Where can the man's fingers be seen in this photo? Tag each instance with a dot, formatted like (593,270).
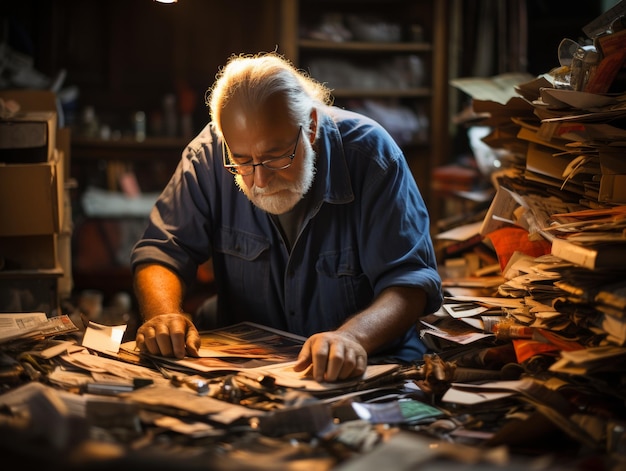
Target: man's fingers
(192,343)
(321,349)
(333,357)
(348,365)
(304,357)
(177,340)
(151,345)
(361,365)
(334,362)
(163,340)
(140,341)
(168,335)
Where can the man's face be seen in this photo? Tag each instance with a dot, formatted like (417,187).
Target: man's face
(255,136)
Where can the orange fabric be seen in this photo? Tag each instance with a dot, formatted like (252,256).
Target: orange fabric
(527,348)
(205,272)
(509,240)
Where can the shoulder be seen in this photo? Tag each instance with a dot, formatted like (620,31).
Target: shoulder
(202,144)
(362,137)
(348,121)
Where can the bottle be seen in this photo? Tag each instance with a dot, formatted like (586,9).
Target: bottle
(590,65)
(584,63)
(170,116)
(140,126)
(509,330)
(89,125)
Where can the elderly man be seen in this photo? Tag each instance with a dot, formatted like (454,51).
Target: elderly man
(312,220)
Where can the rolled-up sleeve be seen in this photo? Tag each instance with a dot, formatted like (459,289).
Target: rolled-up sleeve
(176,234)
(395,232)
(394,243)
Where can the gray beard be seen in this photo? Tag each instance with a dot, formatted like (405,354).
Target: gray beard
(291,193)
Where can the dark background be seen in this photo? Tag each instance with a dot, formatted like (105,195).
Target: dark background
(125,55)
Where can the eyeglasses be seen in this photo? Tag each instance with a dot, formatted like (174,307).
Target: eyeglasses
(278,163)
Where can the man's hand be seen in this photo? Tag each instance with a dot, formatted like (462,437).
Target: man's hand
(169,335)
(334,355)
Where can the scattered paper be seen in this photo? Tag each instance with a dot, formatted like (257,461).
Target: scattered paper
(103,338)
(33,324)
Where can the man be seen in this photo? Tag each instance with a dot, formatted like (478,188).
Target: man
(312,220)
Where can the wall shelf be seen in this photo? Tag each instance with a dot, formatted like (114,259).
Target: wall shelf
(428,98)
(363,46)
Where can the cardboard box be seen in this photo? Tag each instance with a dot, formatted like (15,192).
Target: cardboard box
(32,292)
(64,144)
(35,207)
(28,137)
(31,99)
(29,253)
(32,197)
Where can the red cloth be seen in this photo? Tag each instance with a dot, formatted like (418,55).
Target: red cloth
(528,348)
(508,240)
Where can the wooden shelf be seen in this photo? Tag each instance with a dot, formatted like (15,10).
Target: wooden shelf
(429,97)
(32,273)
(127,149)
(382,93)
(363,46)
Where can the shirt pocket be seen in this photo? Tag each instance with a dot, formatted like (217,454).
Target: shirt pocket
(246,265)
(343,287)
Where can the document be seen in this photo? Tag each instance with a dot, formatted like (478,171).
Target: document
(14,326)
(469,394)
(258,350)
(589,360)
(103,338)
(500,88)
(459,333)
(568,99)
(284,375)
(594,255)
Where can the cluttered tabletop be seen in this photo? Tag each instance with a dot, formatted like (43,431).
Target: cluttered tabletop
(80,398)
(525,368)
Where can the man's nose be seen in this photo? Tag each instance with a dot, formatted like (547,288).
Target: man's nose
(261,176)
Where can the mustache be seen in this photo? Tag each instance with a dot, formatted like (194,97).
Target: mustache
(257,191)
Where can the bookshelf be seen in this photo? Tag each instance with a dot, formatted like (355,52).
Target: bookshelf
(422,36)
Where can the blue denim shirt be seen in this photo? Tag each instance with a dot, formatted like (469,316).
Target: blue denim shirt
(366,228)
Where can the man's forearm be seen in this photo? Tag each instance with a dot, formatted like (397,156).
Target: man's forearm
(158,291)
(390,315)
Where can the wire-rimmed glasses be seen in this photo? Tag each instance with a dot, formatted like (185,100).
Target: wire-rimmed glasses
(277,163)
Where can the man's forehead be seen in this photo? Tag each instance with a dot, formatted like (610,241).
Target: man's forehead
(241,110)
(266,118)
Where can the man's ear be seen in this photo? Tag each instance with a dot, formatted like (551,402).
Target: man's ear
(313,126)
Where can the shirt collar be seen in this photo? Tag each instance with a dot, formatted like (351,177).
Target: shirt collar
(332,178)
